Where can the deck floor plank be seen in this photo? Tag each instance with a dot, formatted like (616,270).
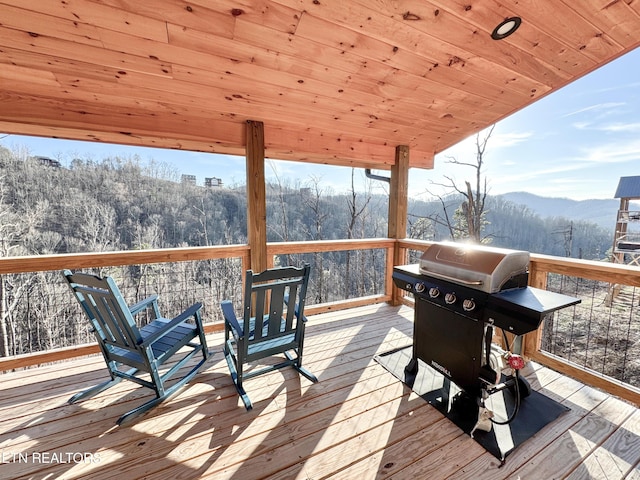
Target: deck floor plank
(570,450)
(357,422)
(338,442)
(616,457)
(580,399)
(634,474)
(390,459)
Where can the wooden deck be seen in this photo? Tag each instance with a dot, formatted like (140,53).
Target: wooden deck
(358,422)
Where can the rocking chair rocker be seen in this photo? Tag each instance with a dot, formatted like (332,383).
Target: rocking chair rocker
(138,350)
(273,323)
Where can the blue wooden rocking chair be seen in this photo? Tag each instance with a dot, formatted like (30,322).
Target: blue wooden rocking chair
(129,350)
(273,323)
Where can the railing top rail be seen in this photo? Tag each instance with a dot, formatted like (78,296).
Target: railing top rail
(416,244)
(590,269)
(315,246)
(38,263)
(543,263)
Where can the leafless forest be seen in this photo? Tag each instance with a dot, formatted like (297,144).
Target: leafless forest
(119,204)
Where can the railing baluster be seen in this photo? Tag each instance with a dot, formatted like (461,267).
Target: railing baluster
(594,276)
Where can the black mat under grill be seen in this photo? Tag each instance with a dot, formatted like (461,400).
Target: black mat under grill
(536,411)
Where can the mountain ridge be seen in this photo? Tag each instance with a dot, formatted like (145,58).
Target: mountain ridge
(603,212)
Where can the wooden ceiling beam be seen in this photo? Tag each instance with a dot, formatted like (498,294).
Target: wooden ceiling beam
(147,112)
(209,135)
(333,82)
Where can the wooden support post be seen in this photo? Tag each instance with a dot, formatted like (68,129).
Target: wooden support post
(398,202)
(256,196)
(533,340)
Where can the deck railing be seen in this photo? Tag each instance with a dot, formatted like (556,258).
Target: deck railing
(597,342)
(185,275)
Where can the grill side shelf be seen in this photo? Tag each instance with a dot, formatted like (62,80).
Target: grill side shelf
(521,310)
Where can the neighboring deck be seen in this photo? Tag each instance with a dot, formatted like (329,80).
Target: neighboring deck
(358,422)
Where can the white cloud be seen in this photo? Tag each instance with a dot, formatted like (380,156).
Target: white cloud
(504,140)
(467,148)
(613,88)
(618,152)
(621,127)
(598,107)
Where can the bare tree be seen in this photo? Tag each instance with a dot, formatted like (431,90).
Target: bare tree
(284,196)
(421,227)
(355,212)
(97,225)
(469,218)
(13,228)
(312,200)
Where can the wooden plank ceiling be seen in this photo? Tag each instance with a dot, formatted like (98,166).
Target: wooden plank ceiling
(334,81)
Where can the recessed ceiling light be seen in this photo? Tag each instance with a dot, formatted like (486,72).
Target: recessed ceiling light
(506,28)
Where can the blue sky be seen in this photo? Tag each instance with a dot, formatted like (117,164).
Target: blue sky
(575,143)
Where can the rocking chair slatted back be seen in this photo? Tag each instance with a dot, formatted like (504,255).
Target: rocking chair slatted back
(273,323)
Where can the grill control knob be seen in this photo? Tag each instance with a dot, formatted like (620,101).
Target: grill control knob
(434,292)
(468,305)
(420,287)
(450,298)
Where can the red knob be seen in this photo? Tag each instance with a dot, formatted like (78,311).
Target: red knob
(515,361)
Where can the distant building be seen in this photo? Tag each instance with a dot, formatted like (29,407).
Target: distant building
(212,182)
(49,162)
(188,179)
(626,241)
(628,187)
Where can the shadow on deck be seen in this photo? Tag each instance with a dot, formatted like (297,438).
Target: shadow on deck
(357,422)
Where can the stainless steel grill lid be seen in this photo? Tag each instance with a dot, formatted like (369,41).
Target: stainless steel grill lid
(478,266)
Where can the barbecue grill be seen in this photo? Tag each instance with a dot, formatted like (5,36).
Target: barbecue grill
(462,292)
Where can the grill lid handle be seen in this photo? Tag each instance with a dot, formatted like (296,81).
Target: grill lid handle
(442,276)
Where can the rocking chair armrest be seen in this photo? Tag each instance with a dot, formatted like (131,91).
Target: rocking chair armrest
(192,311)
(230,317)
(144,304)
